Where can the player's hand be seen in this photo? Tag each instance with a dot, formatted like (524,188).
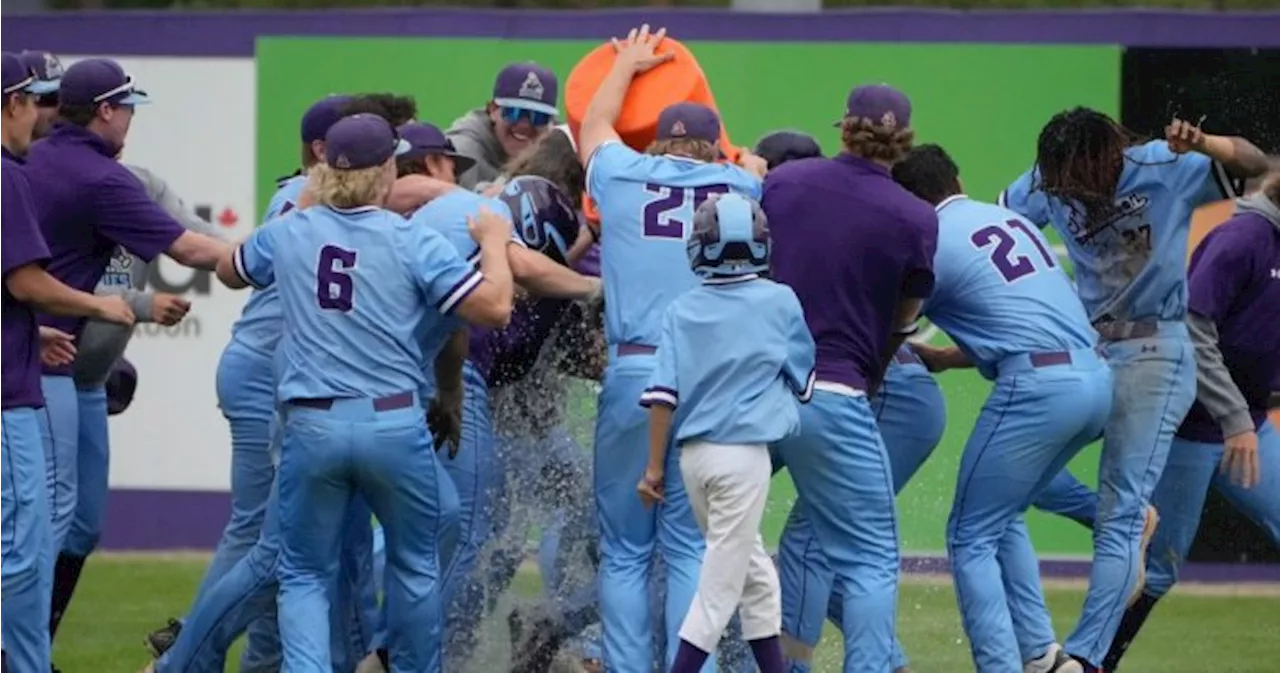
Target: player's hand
(1240,459)
(650,487)
(489,226)
(935,359)
(169,309)
(444,418)
(753,163)
(1184,136)
(637,50)
(57,348)
(113,309)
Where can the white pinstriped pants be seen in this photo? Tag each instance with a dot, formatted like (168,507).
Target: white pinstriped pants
(728,487)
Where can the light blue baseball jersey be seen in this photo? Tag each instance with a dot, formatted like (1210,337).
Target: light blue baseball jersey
(354,286)
(999,289)
(646,204)
(734,356)
(447,215)
(1134,268)
(259,325)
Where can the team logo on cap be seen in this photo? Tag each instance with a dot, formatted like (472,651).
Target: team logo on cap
(889,120)
(52,67)
(532,87)
(342,162)
(678,130)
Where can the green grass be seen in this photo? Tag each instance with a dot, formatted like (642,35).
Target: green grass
(121,598)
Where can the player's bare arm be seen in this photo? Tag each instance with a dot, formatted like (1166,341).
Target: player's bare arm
(1241,158)
(636,54)
(650,486)
(33,285)
(542,276)
(940,359)
(226,271)
(57,348)
(412,191)
(490,304)
(198,251)
(905,318)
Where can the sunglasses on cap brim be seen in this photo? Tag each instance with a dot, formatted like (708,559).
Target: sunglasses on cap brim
(513,115)
(128,92)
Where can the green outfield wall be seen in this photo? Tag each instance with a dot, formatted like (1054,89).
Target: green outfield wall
(984,103)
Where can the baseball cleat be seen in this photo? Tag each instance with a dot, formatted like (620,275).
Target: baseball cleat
(1151,520)
(159,641)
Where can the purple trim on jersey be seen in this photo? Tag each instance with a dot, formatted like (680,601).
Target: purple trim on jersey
(237,265)
(459,293)
(234,33)
(659,395)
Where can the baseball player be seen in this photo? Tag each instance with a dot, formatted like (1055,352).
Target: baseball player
(859,309)
(733,357)
(1226,440)
(520,111)
(646,202)
(47,68)
(246,396)
(991,266)
(1124,210)
(352,376)
(27,527)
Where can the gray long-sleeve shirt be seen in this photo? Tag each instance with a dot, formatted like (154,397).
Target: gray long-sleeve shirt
(101,343)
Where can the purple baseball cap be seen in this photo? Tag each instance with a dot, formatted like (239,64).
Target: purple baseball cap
(527,86)
(689,120)
(322,115)
(426,139)
(361,141)
(20,78)
(45,65)
(880,103)
(99,80)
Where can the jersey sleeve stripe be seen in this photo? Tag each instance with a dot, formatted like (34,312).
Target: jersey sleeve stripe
(459,292)
(659,395)
(237,264)
(1229,186)
(1003,199)
(807,394)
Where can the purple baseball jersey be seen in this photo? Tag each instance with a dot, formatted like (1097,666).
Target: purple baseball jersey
(88,203)
(22,245)
(852,243)
(1234,281)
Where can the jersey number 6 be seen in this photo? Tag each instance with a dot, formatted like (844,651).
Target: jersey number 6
(659,220)
(334,288)
(1011,266)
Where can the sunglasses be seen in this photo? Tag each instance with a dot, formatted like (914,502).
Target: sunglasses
(513,115)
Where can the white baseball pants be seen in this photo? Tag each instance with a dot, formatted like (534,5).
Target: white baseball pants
(728,486)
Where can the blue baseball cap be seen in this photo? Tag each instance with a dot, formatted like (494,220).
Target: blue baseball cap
(46,66)
(321,116)
(361,141)
(19,78)
(427,139)
(99,80)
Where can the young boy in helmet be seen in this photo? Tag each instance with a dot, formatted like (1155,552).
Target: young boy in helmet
(734,356)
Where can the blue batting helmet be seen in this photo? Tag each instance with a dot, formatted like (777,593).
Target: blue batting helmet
(730,237)
(543,216)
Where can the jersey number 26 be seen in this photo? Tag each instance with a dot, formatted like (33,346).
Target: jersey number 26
(1003,236)
(659,213)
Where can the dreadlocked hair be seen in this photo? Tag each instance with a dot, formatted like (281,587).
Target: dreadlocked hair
(700,150)
(552,157)
(863,137)
(1080,154)
(396,109)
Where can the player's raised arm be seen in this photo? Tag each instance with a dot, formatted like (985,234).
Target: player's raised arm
(1241,158)
(490,301)
(251,264)
(543,276)
(636,54)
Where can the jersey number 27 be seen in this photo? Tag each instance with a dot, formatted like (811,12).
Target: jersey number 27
(1004,237)
(659,213)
